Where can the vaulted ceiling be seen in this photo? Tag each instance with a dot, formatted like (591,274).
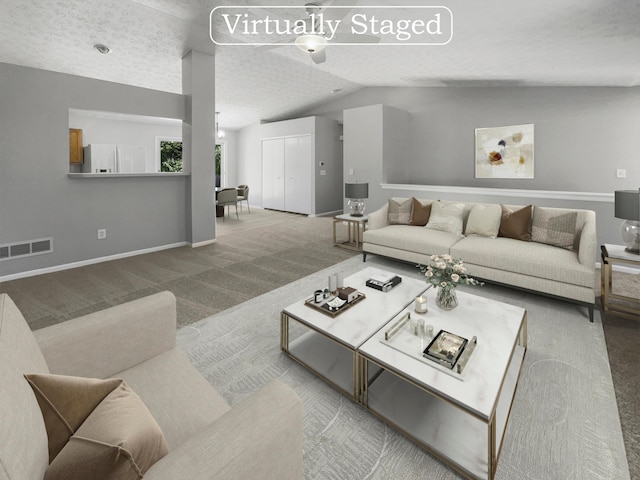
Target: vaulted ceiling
(495,42)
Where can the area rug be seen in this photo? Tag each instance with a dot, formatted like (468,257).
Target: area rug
(564,422)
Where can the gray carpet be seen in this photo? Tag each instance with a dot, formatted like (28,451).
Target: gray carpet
(564,422)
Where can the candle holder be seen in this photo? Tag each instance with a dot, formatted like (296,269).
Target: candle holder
(420,305)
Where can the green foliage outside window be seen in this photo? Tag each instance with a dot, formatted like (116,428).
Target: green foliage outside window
(170,156)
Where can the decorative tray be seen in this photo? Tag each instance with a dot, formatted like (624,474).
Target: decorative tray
(333,306)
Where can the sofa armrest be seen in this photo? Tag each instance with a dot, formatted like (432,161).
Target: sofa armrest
(104,343)
(378,218)
(260,437)
(587,249)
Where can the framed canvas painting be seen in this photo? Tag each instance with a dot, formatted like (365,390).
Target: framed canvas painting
(504,152)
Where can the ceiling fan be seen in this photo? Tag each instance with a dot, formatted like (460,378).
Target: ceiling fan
(314,44)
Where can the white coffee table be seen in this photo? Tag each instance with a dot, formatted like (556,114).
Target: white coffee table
(327,346)
(460,418)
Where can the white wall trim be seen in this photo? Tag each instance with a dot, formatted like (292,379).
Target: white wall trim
(505,192)
(91,261)
(203,243)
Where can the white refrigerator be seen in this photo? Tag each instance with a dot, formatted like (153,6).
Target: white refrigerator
(112,158)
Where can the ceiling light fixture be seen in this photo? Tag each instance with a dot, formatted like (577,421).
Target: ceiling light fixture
(311,43)
(103,49)
(219,133)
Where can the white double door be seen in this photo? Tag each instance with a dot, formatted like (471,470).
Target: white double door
(287,180)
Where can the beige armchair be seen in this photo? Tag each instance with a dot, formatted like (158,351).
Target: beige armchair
(261,436)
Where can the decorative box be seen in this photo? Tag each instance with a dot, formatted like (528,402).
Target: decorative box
(347,293)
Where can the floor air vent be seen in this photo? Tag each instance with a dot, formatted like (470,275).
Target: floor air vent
(24,249)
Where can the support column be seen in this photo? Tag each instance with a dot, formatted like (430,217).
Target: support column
(198,145)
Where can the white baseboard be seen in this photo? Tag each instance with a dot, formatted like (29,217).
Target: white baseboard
(202,244)
(91,261)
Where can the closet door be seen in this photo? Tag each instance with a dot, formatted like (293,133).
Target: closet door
(273,173)
(297,170)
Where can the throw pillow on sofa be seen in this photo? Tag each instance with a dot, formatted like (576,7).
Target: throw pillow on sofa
(484,220)
(554,228)
(516,223)
(118,438)
(399,212)
(419,213)
(446,217)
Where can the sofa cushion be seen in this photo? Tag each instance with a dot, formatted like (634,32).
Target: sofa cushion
(484,219)
(516,224)
(118,439)
(412,239)
(528,258)
(66,402)
(554,227)
(399,212)
(419,213)
(447,217)
(24,453)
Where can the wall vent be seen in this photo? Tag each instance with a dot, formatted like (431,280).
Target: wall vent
(28,248)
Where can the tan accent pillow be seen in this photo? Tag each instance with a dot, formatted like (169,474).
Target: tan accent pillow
(399,212)
(118,440)
(484,220)
(554,228)
(446,217)
(419,213)
(516,223)
(66,402)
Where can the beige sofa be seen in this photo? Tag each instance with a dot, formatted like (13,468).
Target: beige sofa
(538,267)
(260,437)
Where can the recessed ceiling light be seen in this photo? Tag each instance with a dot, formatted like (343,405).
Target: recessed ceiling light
(102,48)
(336,90)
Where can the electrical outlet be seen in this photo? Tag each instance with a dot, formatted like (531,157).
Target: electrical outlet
(351,171)
(621,173)
(102,233)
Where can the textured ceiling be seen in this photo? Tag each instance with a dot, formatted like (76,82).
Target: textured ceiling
(495,42)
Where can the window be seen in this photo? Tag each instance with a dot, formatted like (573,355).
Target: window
(168,154)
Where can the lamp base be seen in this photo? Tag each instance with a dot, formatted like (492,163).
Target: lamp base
(356,207)
(630,235)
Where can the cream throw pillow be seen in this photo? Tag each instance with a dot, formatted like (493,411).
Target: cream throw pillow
(446,217)
(484,220)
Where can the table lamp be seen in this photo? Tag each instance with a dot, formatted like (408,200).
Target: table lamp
(356,193)
(627,207)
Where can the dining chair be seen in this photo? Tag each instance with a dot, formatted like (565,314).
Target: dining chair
(227,197)
(243,195)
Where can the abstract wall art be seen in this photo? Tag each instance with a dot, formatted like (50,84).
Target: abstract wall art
(504,152)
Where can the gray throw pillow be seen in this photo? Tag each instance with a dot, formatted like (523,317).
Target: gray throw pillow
(399,212)
(554,228)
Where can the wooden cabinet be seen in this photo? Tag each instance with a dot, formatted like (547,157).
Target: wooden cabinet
(75,146)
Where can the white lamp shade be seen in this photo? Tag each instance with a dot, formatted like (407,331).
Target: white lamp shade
(311,43)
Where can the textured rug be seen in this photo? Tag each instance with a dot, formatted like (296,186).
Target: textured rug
(564,422)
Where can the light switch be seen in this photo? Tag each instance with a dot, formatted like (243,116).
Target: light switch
(323,172)
(621,173)
(351,171)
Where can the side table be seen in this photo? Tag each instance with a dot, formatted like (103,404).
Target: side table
(612,254)
(355,228)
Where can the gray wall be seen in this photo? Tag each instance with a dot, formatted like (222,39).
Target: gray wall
(582,135)
(37,197)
